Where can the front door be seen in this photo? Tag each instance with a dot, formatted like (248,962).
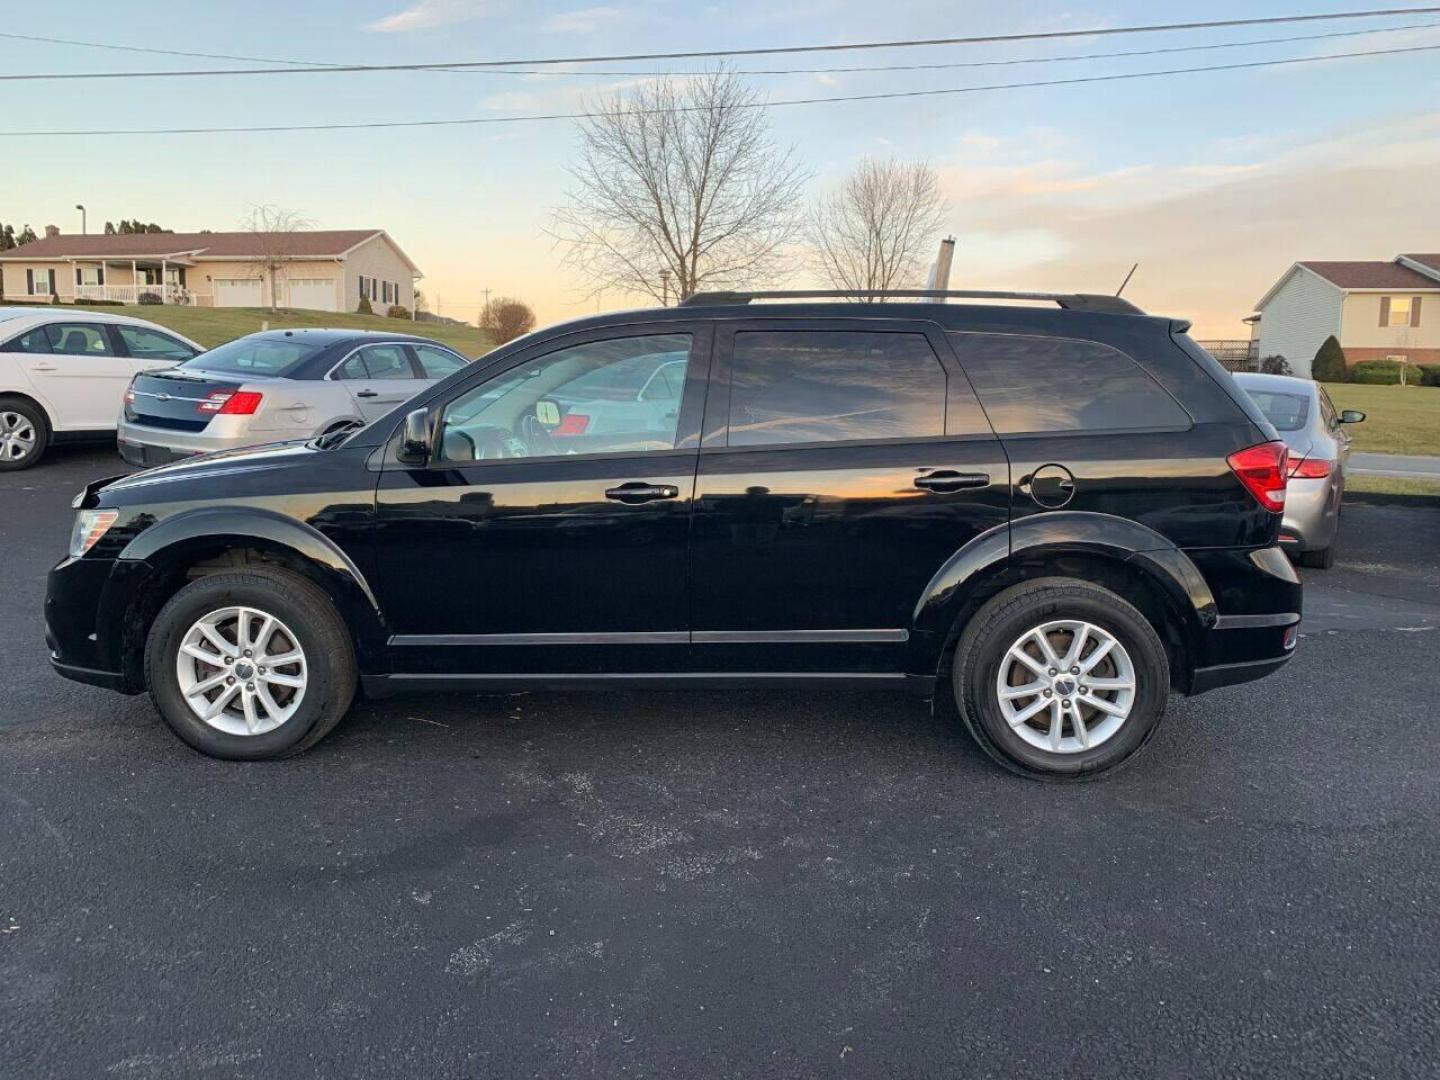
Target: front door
(548,533)
(843,463)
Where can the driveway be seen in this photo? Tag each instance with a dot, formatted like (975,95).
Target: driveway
(741,884)
(1415,466)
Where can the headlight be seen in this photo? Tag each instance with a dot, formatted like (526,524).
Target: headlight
(90,526)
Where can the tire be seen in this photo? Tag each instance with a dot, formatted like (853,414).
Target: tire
(22,422)
(1098,743)
(286,720)
(1319,559)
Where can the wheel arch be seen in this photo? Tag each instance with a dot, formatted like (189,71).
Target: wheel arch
(1122,555)
(30,399)
(165,557)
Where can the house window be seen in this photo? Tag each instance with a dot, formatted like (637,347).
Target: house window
(89,275)
(1399,311)
(41,282)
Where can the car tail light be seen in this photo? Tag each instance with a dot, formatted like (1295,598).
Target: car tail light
(129,395)
(232,403)
(1310,469)
(1262,470)
(572,424)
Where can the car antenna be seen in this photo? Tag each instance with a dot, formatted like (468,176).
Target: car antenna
(1127,279)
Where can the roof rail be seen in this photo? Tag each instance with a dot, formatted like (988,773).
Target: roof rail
(1112,305)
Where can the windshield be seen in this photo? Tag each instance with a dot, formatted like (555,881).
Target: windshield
(254,355)
(1288,412)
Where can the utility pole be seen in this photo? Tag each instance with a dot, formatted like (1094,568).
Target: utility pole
(81,208)
(484,307)
(940,273)
(665,287)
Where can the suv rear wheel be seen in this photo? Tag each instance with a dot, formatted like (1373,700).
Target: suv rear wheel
(251,664)
(1060,679)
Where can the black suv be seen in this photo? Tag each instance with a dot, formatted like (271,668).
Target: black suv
(1058,514)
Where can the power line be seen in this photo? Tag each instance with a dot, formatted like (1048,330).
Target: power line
(479,120)
(1289,39)
(1047,35)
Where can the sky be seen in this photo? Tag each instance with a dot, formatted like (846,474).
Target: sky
(1214,183)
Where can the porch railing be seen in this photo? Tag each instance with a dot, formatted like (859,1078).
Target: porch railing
(130,294)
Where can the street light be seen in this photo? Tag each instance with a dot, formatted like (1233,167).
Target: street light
(81,208)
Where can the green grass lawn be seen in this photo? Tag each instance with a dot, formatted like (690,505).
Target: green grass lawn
(1392,485)
(212,326)
(1398,419)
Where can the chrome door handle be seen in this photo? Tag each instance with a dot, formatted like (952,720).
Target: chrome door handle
(943,480)
(638,491)
(42,367)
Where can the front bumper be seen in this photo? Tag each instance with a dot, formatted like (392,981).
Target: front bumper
(85,623)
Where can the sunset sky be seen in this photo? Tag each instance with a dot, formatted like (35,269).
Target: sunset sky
(1213,182)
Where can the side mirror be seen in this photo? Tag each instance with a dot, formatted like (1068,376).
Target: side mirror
(415,438)
(1351,416)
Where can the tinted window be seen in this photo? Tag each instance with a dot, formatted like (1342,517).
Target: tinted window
(387,362)
(152,345)
(437,362)
(255,355)
(1029,383)
(799,386)
(551,405)
(32,341)
(78,339)
(1288,412)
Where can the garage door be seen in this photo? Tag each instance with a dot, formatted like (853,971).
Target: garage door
(237,292)
(315,294)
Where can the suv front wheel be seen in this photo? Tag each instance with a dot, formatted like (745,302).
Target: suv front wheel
(251,664)
(1060,679)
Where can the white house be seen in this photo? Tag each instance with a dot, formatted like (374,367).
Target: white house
(1376,310)
(323,270)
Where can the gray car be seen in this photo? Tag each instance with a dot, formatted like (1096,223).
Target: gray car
(1314,430)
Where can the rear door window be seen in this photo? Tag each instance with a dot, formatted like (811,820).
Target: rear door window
(437,363)
(808,386)
(387,362)
(78,339)
(1030,383)
(146,344)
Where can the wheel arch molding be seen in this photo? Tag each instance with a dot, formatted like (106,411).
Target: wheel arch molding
(158,560)
(1042,545)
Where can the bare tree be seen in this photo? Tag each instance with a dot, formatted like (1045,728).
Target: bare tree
(274,229)
(877,228)
(680,177)
(505,318)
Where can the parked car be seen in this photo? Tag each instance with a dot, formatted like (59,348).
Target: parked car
(1314,429)
(273,386)
(63,372)
(1052,517)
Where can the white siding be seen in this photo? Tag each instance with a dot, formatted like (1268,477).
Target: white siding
(1299,317)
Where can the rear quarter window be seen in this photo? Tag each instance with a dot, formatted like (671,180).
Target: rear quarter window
(1029,383)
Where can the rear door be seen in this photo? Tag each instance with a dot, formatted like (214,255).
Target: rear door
(379,377)
(76,367)
(843,462)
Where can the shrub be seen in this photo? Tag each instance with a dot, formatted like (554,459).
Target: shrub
(365,308)
(54,298)
(506,318)
(1276,365)
(1376,373)
(86,301)
(1430,374)
(1329,363)
(150,298)
(398,311)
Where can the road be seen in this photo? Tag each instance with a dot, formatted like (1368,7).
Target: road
(1415,466)
(742,884)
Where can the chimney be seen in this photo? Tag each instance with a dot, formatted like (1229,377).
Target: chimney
(51,230)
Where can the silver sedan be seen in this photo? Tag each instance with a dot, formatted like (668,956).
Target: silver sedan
(1314,430)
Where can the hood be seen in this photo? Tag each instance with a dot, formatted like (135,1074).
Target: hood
(148,485)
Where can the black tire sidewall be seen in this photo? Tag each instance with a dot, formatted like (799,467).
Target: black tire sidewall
(37,417)
(325,690)
(975,681)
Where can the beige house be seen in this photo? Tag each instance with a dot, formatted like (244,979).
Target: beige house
(323,270)
(1376,310)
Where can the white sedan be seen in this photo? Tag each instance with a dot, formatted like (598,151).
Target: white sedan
(63,374)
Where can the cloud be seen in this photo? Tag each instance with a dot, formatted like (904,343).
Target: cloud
(583,21)
(1210,237)
(424,14)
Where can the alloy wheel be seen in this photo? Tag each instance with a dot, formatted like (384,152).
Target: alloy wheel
(241,670)
(17,436)
(1066,686)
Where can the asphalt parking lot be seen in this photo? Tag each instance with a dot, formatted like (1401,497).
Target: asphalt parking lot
(776,884)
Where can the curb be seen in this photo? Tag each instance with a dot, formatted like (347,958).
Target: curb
(1376,498)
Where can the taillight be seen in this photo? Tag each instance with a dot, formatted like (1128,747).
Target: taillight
(1310,469)
(129,395)
(1262,470)
(572,424)
(231,403)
